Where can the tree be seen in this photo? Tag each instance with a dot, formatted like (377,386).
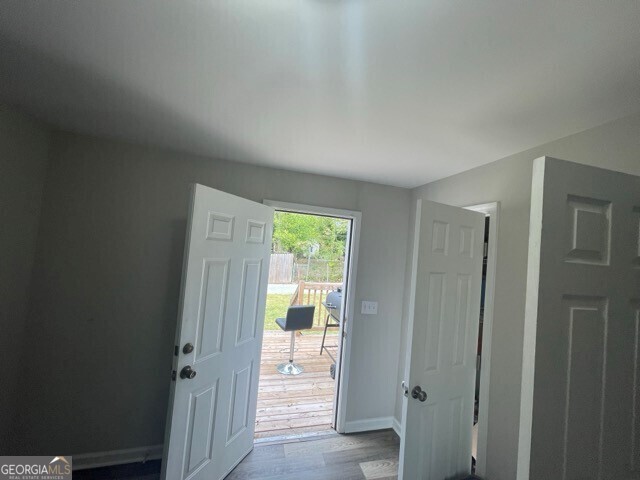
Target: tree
(299,233)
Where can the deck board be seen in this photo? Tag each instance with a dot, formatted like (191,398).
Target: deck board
(292,405)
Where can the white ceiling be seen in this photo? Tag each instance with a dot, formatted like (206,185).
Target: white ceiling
(395,92)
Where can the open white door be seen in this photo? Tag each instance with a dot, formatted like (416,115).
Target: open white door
(437,415)
(581,377)
(210,424)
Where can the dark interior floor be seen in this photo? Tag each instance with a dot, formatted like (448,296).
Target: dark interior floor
(149,470)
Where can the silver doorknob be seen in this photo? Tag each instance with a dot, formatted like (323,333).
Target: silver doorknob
(418,393)
(187,372)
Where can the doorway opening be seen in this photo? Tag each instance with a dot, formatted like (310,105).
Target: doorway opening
(485,328)
(476,410)
(305,316)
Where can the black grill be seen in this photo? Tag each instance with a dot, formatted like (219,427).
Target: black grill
(334,299)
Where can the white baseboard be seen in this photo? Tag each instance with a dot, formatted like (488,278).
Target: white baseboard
(368,424)
(397,427)
(116,457)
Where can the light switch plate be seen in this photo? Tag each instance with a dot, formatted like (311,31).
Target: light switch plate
(369,308)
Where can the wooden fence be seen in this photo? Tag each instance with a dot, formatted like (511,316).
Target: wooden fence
(314,293)
(281,268)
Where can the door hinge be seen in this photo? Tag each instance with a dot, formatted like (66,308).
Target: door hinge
(173,375)
(176,350)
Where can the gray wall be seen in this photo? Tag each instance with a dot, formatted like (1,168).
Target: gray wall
(23,163)
(107,266)
(107,276)
(616,146)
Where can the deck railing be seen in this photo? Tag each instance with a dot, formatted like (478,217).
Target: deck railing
(314,293)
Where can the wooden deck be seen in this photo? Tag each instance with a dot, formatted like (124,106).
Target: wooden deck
(293,405)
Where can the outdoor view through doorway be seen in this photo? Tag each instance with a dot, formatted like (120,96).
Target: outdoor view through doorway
(308,259)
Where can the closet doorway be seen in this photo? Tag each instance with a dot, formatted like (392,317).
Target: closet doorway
(483,364)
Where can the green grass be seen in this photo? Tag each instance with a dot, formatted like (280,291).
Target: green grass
(277,305)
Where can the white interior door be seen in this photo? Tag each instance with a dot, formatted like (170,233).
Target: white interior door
(581,403)
(211,419)
(444,317)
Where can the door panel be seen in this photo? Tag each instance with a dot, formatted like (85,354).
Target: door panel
(586,352)
(239,411)
(211,309)
(584,241)
(211,417)
(202,407)
(250,296)
(445,305)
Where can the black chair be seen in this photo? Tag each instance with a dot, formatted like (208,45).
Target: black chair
(299,317)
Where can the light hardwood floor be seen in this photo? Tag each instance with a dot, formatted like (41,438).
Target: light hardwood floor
(290,406)
(362,456)
(295,404)
(365,456)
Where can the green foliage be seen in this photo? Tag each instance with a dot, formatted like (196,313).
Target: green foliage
(297,233)
(318,270)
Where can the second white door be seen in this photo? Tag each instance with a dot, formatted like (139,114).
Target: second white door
(444,314)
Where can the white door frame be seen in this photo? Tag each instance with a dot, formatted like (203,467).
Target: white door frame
(344,353)
(491,210)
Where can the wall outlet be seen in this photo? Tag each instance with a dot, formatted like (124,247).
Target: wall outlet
(369,308)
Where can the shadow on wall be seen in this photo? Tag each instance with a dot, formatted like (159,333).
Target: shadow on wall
(101,329)
(99,344)
(80,111)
